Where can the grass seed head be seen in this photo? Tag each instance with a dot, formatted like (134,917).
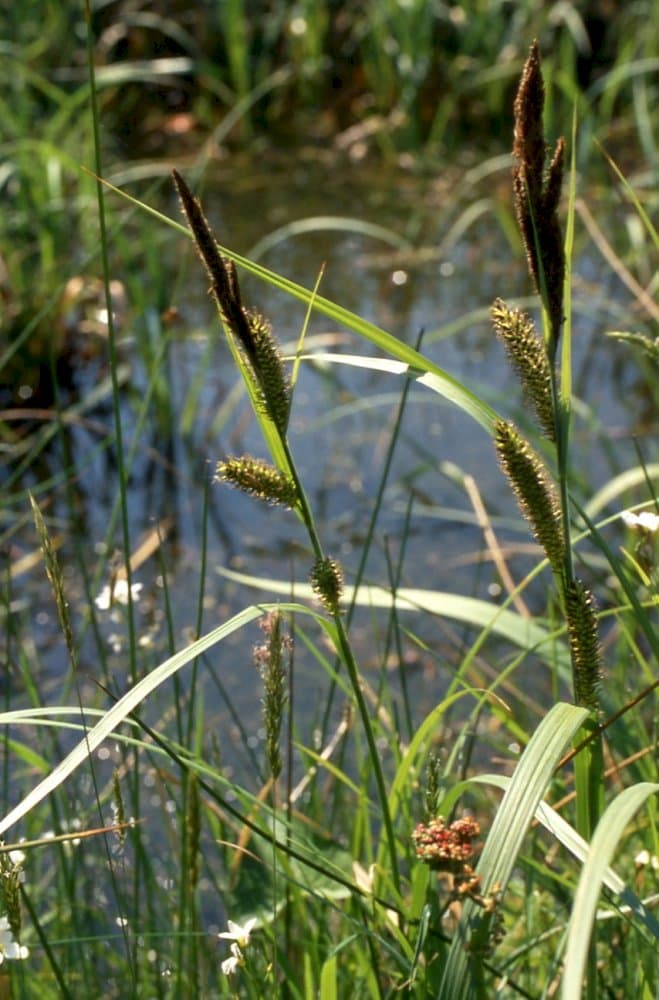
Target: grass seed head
(259,479)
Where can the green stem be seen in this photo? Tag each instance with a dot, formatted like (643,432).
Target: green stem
(353,673)
(562,429)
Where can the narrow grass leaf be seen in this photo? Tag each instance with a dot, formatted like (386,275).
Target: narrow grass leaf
(620,484)
(525,633)
(305,327)
(424,732)
(633,197)
(328,980)
(127,704)
(603,846)
(642,618)
(326,764)
(445,384)
(572,841)
(328,223)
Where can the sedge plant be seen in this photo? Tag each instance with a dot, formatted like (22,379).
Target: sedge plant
(389,905)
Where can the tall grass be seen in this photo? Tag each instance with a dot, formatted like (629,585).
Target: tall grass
(330,852)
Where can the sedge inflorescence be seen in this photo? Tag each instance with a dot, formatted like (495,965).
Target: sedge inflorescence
(446,847)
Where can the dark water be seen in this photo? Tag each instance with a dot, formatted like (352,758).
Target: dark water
(434,277)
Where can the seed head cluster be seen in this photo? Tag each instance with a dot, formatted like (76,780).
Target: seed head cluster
(446,847)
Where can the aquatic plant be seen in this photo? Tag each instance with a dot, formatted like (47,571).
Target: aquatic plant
(338,868)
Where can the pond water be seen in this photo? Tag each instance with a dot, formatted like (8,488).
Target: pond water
(431,274)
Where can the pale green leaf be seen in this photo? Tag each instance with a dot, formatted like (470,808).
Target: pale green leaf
(564,832)
(525,633)
(127,704)
(328,979)
(504,841)
(603,847)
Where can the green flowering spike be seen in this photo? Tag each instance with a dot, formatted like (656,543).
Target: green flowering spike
(119,811)
(532,485)
(433,787)
(11,876)
(587,664)
(259,479)
(527,355)
(56,578)
(272,659)
(273,379)
(537,193)
(327,583)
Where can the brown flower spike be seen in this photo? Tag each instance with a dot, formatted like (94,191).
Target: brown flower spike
(252,333)
(537,193)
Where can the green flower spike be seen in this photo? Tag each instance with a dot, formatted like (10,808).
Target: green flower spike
(581,610)
(273,379)
(527,355)
(327,583)
(259,479)
(273,659)
(534,490)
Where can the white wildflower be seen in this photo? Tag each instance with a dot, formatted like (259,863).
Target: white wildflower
(646,521)
(235,959)
(240,933)
(10,949)
(644,858)
(117,593)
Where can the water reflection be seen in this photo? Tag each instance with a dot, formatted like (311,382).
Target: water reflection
(183,409)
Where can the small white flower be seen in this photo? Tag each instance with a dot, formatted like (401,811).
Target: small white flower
(10,949)
(240,933)
(644,858)
(117,594)
(646,521)
(235,959)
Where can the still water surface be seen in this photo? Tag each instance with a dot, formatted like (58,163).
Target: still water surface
(441,257)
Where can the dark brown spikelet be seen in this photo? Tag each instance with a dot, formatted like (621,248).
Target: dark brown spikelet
(259,479)
(327,583)
(585,649)
(534,490)
(252,333)
(222,273)
(537,193)
(527,355)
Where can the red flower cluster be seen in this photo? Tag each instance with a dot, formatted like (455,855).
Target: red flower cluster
(447,847)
